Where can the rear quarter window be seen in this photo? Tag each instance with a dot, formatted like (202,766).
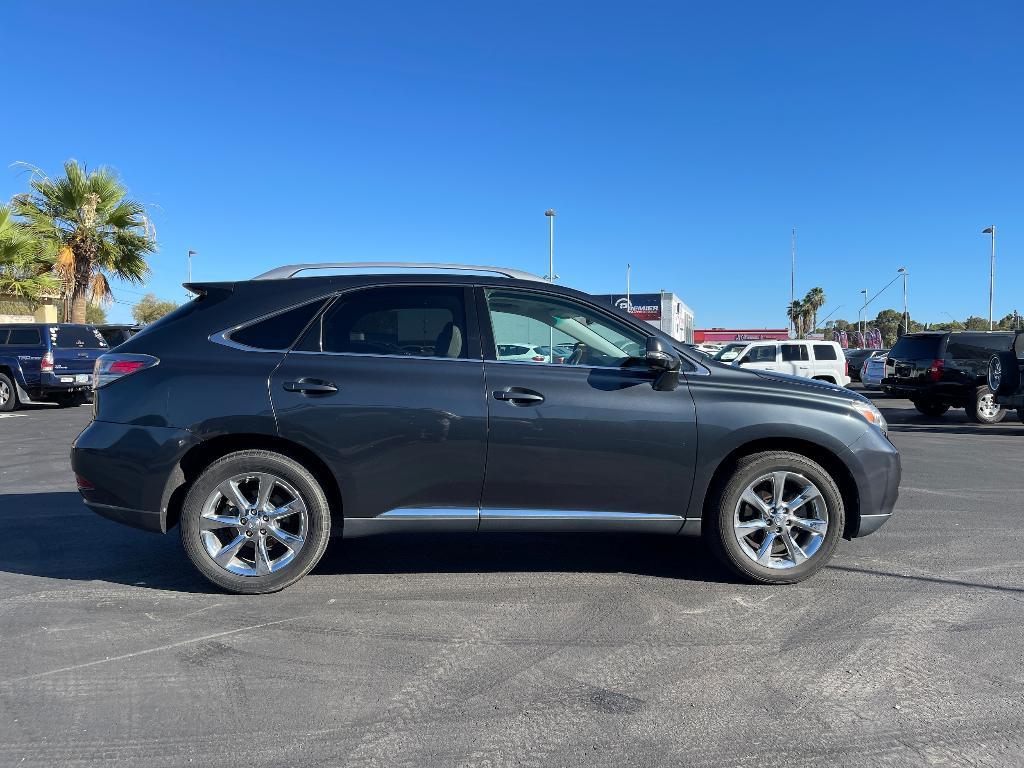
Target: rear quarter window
(279,331)
(916,348)
(825,352)
(976,347)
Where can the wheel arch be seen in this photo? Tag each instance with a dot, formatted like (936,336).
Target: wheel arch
(818,453)
(200,456)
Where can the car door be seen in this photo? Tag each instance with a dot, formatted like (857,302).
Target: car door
(762,357)
(795,360)
(386,387)
(586,443)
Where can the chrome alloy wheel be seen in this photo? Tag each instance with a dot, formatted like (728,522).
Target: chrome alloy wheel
(5,393)
(780,520)
(988,407)
(253,524)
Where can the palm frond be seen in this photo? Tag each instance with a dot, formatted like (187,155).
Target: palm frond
(99,289)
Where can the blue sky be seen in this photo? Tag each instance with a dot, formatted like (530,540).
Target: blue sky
(685,138)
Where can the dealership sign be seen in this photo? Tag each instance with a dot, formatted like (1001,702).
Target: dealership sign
(643,306)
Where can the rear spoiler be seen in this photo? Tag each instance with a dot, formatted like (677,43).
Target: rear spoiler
(206,289)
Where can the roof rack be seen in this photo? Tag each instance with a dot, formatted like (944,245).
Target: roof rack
(290,270)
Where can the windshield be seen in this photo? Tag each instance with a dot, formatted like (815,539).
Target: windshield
(730,352)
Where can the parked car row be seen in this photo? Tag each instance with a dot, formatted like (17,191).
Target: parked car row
(52,362)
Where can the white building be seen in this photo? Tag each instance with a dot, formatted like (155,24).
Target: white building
(663,310)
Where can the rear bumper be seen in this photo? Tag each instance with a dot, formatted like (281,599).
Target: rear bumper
(1011,401)
(875,465)
(131,469)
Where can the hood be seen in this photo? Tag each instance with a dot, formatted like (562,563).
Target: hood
(802,383)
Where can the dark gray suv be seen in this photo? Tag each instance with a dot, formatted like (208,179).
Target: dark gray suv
(267,415)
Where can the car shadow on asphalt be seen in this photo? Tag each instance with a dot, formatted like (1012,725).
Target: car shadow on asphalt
(671,557)
(53,535)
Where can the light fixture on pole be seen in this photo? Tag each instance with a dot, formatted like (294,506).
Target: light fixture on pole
(190,255)
(550,213)
(906,314)
(991,273)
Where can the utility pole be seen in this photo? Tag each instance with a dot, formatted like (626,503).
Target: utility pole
(991,273)
(792,274)
(906,314)
(191,253)
(629,303)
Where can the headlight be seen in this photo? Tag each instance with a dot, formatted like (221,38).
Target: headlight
(871,414)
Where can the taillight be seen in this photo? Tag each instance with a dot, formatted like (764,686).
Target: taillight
(539,359)
(46,364)
(846,368)
(935,370)
(83,484)
(113,366)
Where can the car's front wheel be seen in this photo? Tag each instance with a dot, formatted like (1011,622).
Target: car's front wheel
(777,519)
(255,522)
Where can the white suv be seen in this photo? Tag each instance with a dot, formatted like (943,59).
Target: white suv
(822,360)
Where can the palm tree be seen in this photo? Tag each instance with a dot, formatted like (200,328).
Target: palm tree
(25,268)
(95,231)
(796,312)
(814,300)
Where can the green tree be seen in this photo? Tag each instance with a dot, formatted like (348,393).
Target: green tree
(796,312)
(973,323)
(24,264)
(95,231)
(150,309)
(95,314)
(813,301)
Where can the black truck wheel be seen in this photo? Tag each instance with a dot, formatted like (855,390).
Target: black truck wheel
(982,408)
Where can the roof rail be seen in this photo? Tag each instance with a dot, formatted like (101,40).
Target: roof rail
(290,270)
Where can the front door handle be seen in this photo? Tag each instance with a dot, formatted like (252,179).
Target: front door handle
(310,387)
(518,396)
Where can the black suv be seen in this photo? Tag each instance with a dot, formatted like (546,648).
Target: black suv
(1006,375)
(942,370)
(266,415)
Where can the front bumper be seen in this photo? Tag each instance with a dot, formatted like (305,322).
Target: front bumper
(875,465)
(131,470)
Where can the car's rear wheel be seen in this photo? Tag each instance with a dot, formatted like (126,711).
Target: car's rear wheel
(931,407)
(8,397)
(255,522)
(982,408)
(777,518)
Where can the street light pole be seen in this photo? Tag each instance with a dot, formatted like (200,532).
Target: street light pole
(991,273)
(550,213)
(628,302)
(906,314)
(861,313)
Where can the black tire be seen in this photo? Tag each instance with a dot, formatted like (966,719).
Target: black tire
(1004,373)
(980,407)
(931,407)
(719,527)
(8,393)
(1020,414)
(317,534)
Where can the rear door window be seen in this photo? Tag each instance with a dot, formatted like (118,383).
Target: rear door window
(76,337)
(417,321)
(794,352)
(24,337)
(916,348)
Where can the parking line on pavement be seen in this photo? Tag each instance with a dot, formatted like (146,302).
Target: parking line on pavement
(10,415)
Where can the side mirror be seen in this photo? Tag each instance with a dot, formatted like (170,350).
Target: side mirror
(663,360)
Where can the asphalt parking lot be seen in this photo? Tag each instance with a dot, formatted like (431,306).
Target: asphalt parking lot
(511,650)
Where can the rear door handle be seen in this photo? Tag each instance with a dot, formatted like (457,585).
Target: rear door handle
(518,396)
(310,387)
